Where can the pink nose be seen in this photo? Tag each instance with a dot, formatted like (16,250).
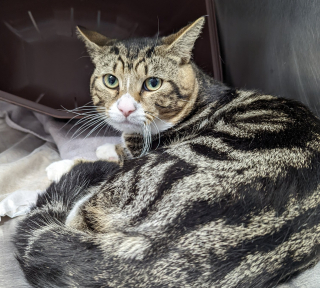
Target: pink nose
(126,107)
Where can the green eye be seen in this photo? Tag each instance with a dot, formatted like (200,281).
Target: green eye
(110,81)
(152,84)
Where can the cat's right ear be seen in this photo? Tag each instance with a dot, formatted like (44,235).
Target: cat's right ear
(182,42)
(94,41)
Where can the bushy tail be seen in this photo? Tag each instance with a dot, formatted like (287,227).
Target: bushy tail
(46,246)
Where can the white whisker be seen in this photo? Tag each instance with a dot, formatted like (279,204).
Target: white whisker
(106,124)
(84,119)
(155,125)
(95,128)
(86,126)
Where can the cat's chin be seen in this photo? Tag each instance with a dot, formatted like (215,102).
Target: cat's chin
(127,127)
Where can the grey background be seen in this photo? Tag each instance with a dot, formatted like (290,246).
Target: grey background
(273,46)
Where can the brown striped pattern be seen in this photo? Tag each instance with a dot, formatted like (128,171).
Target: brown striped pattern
(228,197)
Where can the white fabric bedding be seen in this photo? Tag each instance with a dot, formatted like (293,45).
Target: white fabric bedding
(29,142)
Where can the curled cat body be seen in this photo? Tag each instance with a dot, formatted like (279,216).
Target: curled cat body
(212,186)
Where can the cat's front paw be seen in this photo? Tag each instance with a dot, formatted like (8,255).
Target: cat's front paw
(56,169)
(107,152)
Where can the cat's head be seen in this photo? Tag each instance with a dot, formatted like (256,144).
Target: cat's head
(144,85)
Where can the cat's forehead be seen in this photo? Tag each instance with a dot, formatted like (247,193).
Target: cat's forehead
(132,49)
(142,57)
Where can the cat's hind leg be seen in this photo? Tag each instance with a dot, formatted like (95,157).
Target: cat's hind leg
(74,184)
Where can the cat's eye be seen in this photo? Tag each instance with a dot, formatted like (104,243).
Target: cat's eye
(152,84)
(110,81)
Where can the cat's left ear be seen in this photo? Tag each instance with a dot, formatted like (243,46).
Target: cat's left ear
(94,41)
(181,43)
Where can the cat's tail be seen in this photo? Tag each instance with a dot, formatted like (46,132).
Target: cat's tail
(46,246)
(53,255)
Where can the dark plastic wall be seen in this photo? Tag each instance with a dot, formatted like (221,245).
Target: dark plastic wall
(272,45)
(46,66)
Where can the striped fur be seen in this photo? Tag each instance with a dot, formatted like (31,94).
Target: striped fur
(133,61)
(228,197)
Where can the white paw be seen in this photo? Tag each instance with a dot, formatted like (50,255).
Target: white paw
(56,169)
(107,152)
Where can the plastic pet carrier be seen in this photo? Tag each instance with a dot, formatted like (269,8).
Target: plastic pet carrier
(44,67)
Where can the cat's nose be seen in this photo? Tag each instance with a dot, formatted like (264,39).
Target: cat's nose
(126,106)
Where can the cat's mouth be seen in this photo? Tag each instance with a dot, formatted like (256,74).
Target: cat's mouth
(127,125)
(126,121)
(130,122)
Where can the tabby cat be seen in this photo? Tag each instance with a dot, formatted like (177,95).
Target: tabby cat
(212,187)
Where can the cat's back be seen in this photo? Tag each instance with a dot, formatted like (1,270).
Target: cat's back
(254,187)
(250,127)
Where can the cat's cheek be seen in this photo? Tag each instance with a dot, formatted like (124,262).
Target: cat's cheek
(95,100)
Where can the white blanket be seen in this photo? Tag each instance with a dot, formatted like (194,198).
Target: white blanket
(29,142)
